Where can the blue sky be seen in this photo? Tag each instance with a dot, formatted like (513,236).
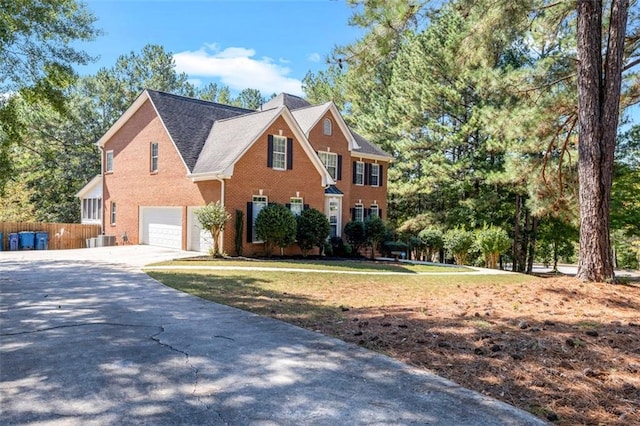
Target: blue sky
(264,44)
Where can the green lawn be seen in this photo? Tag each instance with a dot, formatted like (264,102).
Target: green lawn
(339,265)
(304,298)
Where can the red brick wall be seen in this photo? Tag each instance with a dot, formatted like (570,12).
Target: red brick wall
(132,185)
(338,143)
(251,174)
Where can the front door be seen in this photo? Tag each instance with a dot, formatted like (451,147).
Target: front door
(333,210)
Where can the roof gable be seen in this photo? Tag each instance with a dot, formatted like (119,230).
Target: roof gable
(230,139)
(189,121)
(309,117)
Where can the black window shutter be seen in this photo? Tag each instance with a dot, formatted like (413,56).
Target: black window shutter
(367,173)
(305,207)
(380,213)
(353,214)
(270,151)
(380,177)
(354,171)
(339,177)
(249,221)
(288,205)
(289,154)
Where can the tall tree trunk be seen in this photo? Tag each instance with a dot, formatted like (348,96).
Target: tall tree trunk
(522,266)
(598,110)
(532,245)
(516,235)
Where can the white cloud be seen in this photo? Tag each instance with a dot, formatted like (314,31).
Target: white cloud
(238,68)
(195,81)
(314,57)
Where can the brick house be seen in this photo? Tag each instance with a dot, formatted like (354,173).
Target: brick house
(168,155)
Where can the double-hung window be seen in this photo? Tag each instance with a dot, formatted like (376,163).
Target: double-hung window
(296,206)
(279,152)
(154,157)
(108,163)
(359,173)
(358,213)
(374,179)
(259,203)
(375,210)
(330,161)
(113,212)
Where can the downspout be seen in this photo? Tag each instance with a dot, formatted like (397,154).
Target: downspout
(223,203)
(102,184)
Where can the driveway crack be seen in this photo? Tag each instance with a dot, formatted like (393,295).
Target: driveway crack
(195,369)
(87,324)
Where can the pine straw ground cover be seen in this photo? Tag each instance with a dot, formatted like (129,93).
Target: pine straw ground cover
(566,351)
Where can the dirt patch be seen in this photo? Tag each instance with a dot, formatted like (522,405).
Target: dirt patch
(564,350)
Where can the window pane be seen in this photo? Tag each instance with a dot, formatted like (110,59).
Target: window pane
(279,152)
(259,202)
(359,213)
(359,173)
(330,161)
(327,127)
(154,157)
(375,173)
(296,206)
(109,162)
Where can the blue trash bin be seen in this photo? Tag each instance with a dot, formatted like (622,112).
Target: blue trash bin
(14,242)
(27,240)
(1,241)
(42,240)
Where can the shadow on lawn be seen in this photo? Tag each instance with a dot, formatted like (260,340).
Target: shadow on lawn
(572,372)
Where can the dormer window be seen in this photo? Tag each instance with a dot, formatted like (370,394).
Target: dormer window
(327,127)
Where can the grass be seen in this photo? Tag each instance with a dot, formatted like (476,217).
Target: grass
(303,296)
(342,265)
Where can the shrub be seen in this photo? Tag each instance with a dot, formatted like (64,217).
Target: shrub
(212,217)
(356,234)
(337,246)
(492,241)
(239,230)
(276,226)
(375,230)
(312,230)
(432,239)
(458,241)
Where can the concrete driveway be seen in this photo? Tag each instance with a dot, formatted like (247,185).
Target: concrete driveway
(87,338)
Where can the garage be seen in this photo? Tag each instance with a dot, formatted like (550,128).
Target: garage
(161,226)
(198,239)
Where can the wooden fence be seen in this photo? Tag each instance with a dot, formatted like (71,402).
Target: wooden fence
(61,235)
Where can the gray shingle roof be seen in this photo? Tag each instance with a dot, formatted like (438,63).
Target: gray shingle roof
(284,99)
(307,117)
(230,138)
(367,147)
(189,121)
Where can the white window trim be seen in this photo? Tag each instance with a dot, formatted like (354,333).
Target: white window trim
(296,201)
(360,164)
(327,127)
(324,158)
(280,139)
(156,157)
(262,200)
(375,166)
(108,165)
(359,207)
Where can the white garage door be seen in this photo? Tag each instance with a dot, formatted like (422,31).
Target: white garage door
(199,239)
(162,226)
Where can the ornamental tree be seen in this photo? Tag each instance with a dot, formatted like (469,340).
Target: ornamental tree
(213,217)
